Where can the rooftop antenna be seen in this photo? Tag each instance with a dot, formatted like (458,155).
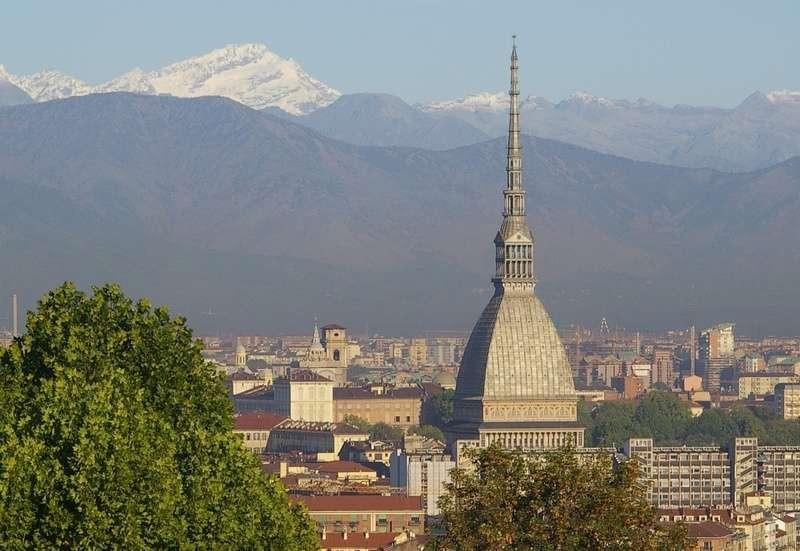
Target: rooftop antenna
(14,316)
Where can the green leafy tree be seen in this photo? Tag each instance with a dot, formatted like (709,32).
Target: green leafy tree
(713,427)
(554,501)
(438,409)
(428,431)
(116,434)
(664,416)
(613,423)
(358,422)
(385,433)
(747,423)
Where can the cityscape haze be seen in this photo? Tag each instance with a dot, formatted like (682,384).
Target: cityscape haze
(421,289)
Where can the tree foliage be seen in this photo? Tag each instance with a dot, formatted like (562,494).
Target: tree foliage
(665,418)
(358,422)
(115,433)
(385,433)
(438,408)
(555,501)
(377,431)
(428,431)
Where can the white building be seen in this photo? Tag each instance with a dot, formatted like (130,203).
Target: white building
(423,475)
(304,395)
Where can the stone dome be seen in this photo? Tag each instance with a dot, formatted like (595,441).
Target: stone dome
(445,380)
(514,352)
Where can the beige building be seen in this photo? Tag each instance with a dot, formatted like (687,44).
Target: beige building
(304,395)
(365,513)
(761,384)
(787,400)
(307,437)
(418,351)
(334,339)
(242,381)
(400,407)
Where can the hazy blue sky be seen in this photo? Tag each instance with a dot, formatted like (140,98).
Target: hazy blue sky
(697,52)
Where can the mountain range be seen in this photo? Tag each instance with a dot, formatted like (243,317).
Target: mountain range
(762,131)
(209,205)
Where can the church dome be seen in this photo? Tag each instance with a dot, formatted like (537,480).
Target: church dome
(445,380)
(514,351)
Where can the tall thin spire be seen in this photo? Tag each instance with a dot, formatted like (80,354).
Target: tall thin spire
(514,194)
(514,241)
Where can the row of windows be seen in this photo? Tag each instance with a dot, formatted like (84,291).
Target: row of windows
(521,252)
(519,268)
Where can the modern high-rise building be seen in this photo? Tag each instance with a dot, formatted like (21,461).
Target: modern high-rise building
(716,353)
(515,384)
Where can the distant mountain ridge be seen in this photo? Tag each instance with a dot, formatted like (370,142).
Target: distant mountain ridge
(205,203)
(12,95)
(763,130)
(385,120)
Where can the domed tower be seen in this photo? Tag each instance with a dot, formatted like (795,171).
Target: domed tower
(240,355)
(515,383)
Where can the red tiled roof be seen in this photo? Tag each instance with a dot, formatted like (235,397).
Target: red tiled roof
(342,467)
(360,503)
(357,540)
(708,529)
(257,420)
(243,376)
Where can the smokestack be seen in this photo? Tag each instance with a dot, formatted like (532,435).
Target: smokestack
(692,351)
(14,316)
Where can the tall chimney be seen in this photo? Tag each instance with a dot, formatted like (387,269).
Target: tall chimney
(692,351)
(14,316)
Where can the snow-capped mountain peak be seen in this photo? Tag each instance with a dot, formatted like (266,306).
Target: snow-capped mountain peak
(585,99)
(248,73)
(784,96)
(50,84)
(485,101)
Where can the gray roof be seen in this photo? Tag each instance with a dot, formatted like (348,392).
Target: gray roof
(514,352)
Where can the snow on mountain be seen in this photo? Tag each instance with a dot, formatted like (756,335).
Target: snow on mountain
(49,84)
(784,96)
(485,101)
(248,73)
(135,80)
(585,99)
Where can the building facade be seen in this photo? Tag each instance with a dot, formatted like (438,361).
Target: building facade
(787,400)
(401,407)
(423,475)
(365,513)
(762,384)
(719,477)
(304,395)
